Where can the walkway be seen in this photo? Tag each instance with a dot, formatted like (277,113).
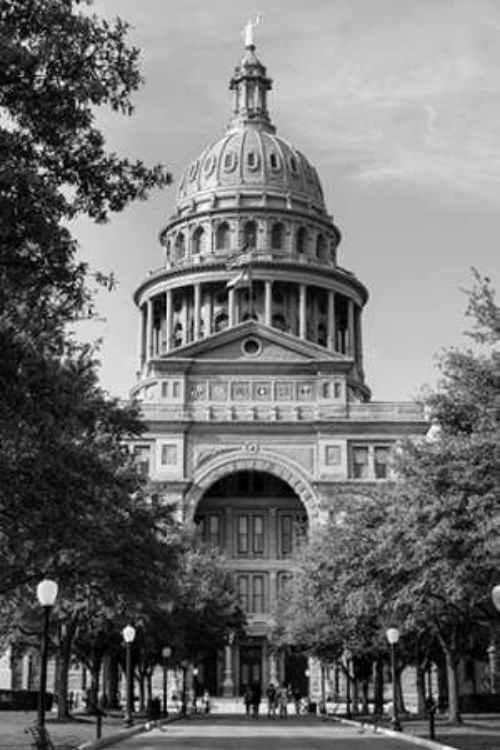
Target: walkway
(240,733)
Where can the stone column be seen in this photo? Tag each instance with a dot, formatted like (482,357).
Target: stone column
(197,299)
(210,317)
(185,319)
(228,680)
(273,669)
(268,286)
(359,339)
(228,531)
(168,321)
(273,534)
(331,323)
(140,340)
(351,352)
(273,589)
(302,310)
(149,330)
(230,306)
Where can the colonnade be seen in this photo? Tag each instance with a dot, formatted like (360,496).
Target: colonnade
(198,313)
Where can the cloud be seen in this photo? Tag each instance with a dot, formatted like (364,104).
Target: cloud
(412,98)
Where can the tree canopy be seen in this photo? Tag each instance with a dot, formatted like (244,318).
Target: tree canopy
(423,554)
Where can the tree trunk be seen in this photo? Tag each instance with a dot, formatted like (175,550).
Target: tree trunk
(442,687)
(451,674)
(110,681)
(355,696)
(420,690)
(399,692)
(378,697)
(95,672)
(142,695)
(365,706)
(66,638)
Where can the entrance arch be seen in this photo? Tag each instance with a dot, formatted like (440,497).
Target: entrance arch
(258,520)
(251,459)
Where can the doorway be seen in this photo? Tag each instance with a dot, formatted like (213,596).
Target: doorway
(250,665)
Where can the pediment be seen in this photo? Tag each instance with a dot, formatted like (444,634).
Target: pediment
(270,345)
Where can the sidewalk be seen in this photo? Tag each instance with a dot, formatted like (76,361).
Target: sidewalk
(477,732)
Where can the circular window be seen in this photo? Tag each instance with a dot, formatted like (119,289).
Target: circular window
(251,347)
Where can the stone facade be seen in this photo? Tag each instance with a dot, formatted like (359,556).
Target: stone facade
(250,370)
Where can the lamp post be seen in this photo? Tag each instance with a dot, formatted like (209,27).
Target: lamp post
(166,653)
(347,662)
(184,666)
(492,651)
(46,592)
(196,672)
(128,636)
(393,637)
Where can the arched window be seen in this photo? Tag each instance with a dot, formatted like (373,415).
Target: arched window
(279,322)
(250,234)
(320,247)
(178,334)
(222,236)
(180,245)
(322,334)
(301,240)
(221,322)
(198,240)
(277,234)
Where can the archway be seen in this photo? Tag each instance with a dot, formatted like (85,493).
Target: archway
(258,521)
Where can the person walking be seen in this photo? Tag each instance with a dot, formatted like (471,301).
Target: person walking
(271,701)
(283,702)
(247,699)
(256,699)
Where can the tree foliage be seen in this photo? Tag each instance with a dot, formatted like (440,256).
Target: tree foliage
(61,461)
(423,556)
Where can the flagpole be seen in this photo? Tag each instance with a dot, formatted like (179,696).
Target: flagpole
(250,268)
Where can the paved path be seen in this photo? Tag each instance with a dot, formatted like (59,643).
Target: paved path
(225,733)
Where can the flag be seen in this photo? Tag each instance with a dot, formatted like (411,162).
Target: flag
(242,279)
(240,258)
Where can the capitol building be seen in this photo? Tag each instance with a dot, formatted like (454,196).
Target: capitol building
(260,423)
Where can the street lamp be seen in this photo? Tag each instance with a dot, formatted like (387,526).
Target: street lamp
(393,637)
(166,653)
(128,633)
(46,592)
(495,595)
(347,660)
(184,666)
(196,672)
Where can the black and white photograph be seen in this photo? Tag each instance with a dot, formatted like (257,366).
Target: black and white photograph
(249,374)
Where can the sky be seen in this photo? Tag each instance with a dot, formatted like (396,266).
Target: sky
(397,105)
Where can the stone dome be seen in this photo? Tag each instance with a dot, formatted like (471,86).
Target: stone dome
(250,157)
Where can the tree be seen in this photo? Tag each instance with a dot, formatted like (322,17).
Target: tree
(422,556)
(446,506)
(60,436)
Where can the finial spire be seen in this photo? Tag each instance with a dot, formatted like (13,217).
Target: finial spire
(248,31)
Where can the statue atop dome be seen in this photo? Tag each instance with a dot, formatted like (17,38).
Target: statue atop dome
(248,30)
